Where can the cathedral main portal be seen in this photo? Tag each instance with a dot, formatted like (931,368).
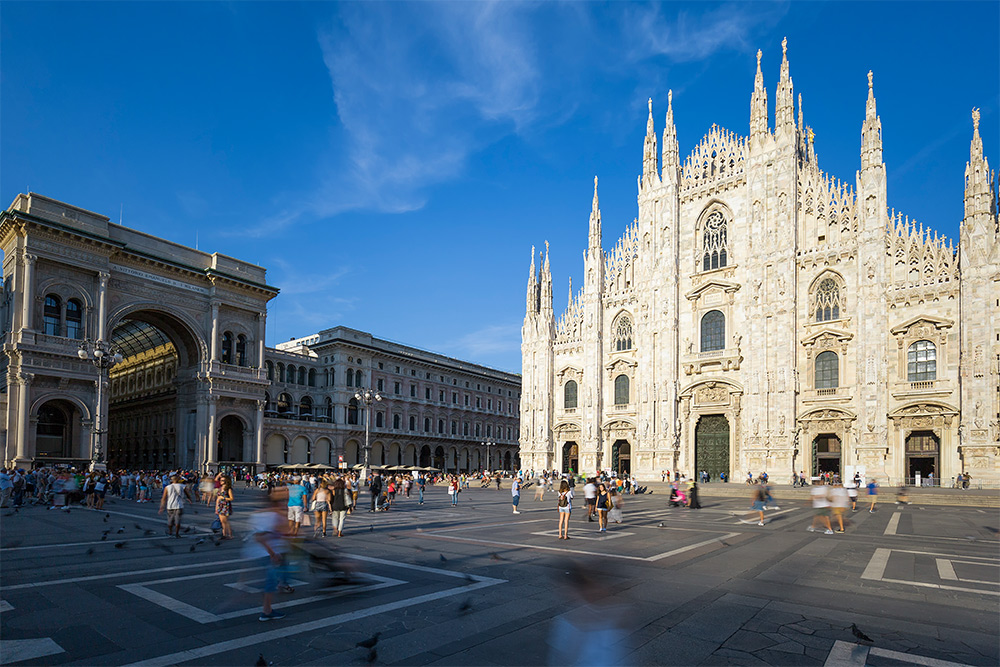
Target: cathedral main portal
(712,445)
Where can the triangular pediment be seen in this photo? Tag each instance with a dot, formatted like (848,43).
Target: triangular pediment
(723,285)
(839,334)
(621,364)
(936,322)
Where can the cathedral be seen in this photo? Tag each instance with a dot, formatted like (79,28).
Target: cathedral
(761,315)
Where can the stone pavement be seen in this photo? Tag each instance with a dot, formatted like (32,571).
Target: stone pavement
(476,585)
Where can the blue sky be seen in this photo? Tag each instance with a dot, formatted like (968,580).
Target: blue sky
(391,164)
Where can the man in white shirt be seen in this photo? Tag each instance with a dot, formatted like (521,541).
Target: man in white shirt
(173,501)
(590,495)
(821,504)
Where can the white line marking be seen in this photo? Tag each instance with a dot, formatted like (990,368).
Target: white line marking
(893,524)
(876,566)
(914,659)
(509,524)
(73,580)
(16,650)
(246,587)
(844,654)
(952,556)
(289,631)
(946,570)
(690,547)
(5,606)
(174,605)
(110,542)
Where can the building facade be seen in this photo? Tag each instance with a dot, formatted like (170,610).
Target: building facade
(435,410)
(762,315)
(196,387)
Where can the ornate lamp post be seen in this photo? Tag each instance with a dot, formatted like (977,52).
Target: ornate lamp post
(104,357)
(366,397)
(489,459)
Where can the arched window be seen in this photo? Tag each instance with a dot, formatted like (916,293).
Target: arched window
(921,362)
(270,370)
(227,347)
(74,319)
(379,419)
(302,374)
(284,403)
(312,377)
(828,300)
(713,331)
(395,421)
(329,408)
(290,374)
(350,377)
(305,407)
(241,350)
(714,242)
(569,394)
(357,379)
(52,315)
(827,370)
(427,424)
(440,426)
(352,411)
(413,423)
(267,402)
(281,372)
(621,333)
(621,390)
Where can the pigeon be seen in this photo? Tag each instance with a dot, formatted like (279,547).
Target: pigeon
(66,509)
(860,636)
(104,537)
(108,515)
(465,607)
(371,528)
(187,530)
(8,513)
(191,549)
(496,556)
(201,540)
(137,526)
(105,519)
(261,662)
(120,545)
(370,642)
(372,656)
(469,579)
(120,530)
(217,543)
(90,551)
(443,559)
(661,525)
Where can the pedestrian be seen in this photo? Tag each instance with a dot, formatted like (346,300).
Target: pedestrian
(454,490)
(693,502)
(872,493)
(375,489)
(590,496)
(759,503)
(603,505)
(340,505)
(173,501)
(617,502)
(421,484)
(296,505)
(839,500)
(224,508)
(268,547)
(565,504)
(821,506)
(515,493)
(321,506)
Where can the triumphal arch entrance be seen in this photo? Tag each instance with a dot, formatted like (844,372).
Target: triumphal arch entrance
(169,337)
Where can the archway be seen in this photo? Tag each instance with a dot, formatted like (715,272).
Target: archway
(506,462)
(425,456)
(58,427)
(153,391)
(571,458)
(923,452)
(621,457)
(409,455)
(711,452)
(351,453)
(439,458)
(230,439)
(826,454)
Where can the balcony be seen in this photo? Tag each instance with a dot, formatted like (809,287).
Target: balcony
(827,395)
(728,359)
(922,389)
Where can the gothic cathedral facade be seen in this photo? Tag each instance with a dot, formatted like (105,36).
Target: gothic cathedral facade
(762,315)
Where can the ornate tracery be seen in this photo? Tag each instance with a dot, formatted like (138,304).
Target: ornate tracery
(828,300)
(715,252)
(621,333)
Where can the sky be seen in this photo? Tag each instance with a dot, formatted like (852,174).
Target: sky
(391,164)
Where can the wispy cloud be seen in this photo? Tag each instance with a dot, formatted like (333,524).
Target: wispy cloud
(491,340)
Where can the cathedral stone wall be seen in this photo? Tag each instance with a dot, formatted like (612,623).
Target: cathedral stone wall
(762,315)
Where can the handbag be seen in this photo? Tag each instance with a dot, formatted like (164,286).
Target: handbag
(216,525)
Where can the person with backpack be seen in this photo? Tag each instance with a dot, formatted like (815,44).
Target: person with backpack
(375,489)
(603,505)
(565,506)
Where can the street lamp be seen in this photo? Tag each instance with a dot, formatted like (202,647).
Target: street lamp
(104,356)
(366,397)
(489,459)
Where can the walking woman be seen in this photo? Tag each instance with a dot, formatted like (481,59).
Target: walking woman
(339,504)
(454,489)
(603,505)
(224,507)
(320,502)
(565,504)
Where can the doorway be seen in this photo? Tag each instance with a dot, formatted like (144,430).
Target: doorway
(923,450)
(826,454)
(571,458)
(711,450)
(621,457)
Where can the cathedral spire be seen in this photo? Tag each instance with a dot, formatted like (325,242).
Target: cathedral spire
(546,288)
(980,193)
(532,298)
(570,302)
(649,170)
(758,105)
(871,132)
(595,222)
(784,101)
(671,154)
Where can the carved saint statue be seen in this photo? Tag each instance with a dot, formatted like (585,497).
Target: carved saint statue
(689,346)
(781,423)
(979,413)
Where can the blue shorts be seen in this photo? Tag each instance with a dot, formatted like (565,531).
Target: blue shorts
(515,499)
(272,575)
(758,505)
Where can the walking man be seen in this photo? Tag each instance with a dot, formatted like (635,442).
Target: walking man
(872,494)
(590,495)
(375,488)
(173,502)
(515,493)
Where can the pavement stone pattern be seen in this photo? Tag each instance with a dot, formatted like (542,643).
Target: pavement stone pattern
(476,585)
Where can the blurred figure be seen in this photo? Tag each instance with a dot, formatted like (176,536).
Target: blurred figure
(872,493)
(821,505)
(589,633)
(693,501)
(903,496)
(267,545)
(839,499)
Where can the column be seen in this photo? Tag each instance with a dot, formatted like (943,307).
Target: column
(201,429)
(23,422)
(102,300)
(86,439)
(261,329)
(28,297)
(212,446)
(215,331)
(259,459)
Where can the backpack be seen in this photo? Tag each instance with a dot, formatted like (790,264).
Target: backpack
(563,500)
